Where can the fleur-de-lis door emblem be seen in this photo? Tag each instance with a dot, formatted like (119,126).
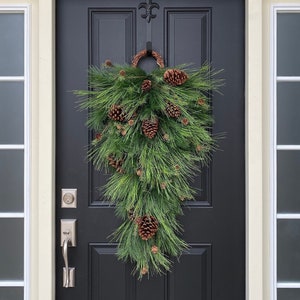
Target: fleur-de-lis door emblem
(148,7)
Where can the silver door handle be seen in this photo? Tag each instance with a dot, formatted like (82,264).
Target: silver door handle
(68,239)
(65,256)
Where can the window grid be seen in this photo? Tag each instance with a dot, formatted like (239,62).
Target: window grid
(11,78)
(22,9)
(7,283)
(288,78)
(277,9)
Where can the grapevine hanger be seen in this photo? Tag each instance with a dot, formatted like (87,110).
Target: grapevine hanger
(146,53)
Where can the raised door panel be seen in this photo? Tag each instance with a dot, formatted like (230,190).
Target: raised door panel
(105,269)
(118,44)
(195,22)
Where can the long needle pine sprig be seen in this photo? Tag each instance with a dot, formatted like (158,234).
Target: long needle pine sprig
(151,132)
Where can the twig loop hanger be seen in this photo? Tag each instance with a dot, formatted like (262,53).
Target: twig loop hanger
(145,53)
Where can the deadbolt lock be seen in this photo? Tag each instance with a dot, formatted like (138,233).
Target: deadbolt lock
(69,198)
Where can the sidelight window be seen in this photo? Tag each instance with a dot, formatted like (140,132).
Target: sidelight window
(14,153)
(286,152)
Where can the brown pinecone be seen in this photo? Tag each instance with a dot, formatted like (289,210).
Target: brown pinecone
(98,136)
(148,226)
(108,63)
(146,85)
(144,271)
(173,110)
(139,172)
(150,128)
(116,163)
(185,121)
(175,77)
(116,113)
(122,73)
(131,215)
(154,249)
(201,101)
(166,137)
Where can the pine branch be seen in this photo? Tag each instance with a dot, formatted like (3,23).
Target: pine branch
(153,139)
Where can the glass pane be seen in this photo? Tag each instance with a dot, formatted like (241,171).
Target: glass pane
(11,181)
(288,294)
(11,44)
(11,112)
(288,187)
(288,44)
(288,250)
(12,249)
(288,112)
(11,293)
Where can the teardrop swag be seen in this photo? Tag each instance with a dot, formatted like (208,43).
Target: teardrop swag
(152,132)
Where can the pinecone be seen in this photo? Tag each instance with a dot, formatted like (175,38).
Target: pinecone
(154,249)
(185,121)
(146,85)
(108,63)
(173,110)
(201,101)
(150,128)
(175,77)
(98,136)
(166,137)
(116,163)
(131,215)
(122,73)
(116,113)
(139,172)
(144,271)
(148,226)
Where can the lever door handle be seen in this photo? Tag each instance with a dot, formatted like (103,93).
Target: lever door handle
(68,239)
(65,256)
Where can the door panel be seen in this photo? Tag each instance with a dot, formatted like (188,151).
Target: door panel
(196,261)
(91,31)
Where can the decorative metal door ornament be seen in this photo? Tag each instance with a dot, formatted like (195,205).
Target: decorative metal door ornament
(152,132)
(148,6)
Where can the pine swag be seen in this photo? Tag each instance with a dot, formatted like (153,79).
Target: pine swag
(152,132)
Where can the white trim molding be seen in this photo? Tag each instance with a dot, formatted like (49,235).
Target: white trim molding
(46,151)
(254,170)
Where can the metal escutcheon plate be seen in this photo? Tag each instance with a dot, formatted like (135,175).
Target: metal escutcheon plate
(69,198)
